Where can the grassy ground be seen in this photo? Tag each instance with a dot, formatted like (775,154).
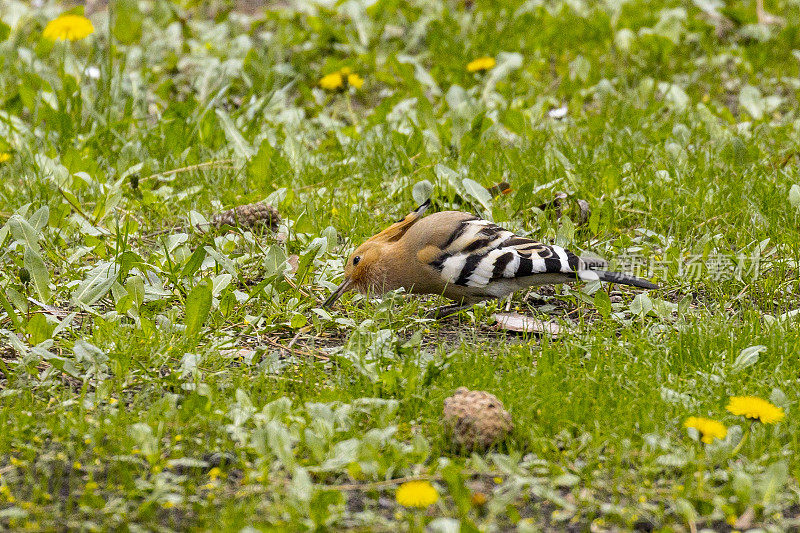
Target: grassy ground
(172,377)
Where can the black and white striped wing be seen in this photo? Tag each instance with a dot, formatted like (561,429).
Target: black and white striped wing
(480,253)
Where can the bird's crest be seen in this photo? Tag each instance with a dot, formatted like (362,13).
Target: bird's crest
(398,229)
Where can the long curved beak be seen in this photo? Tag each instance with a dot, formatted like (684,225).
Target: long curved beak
(341,289)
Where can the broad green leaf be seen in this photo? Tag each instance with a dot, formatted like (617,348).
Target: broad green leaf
(39,329)
(422,191)
(794,196)
(674,96)
(449,175)
(507,62)
(4,231)
(198,306)
(65,323)
(748,356)
(39,274)
(323,504)
(624,39)
(641,305)
(221,260)
(778,397)
(670,24)
(742,484)
(127,21)
(9,309)
(240,146)
(274,261)
(752,102)
(566,480)
(332,236)
(86,352)
(142,434)
(602,303)
(478,192)
(259,165)
(280,442)
(298,321)
(194,262)
(302,486)
(774,479)
(135,288)
(22,231)
(219,283)
(580,68)
(40,218)
(97,283)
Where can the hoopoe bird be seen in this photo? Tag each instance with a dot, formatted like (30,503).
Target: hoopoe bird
(464,258)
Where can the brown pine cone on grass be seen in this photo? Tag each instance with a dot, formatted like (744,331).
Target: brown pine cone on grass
(248,216)
(477,419)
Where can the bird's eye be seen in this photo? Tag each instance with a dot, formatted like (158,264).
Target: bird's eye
(356,260)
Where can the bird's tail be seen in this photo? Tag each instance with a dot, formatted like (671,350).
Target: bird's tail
(624,279)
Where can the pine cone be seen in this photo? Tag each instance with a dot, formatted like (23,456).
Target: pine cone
(477,419)
(248,216)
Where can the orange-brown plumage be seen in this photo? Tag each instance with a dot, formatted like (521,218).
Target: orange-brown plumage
(462,257)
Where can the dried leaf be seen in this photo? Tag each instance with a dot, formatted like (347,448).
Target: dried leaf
(527,324)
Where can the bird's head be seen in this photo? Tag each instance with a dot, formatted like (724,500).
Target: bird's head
(364,270)
(361,272)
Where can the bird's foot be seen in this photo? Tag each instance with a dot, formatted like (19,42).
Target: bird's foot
(446,310)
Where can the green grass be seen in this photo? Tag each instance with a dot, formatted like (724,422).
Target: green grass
(200,386)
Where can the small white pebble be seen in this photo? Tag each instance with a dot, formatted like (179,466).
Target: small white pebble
(558,112)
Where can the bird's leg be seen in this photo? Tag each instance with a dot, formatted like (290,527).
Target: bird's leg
(447,310)
(766,18)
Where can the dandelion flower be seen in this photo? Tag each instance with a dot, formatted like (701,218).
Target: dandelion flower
(354,80)
(755,408)
(5,157)
(332,82)
(708,429)
(482,63)
(418,494)
(341,79)
(68,28)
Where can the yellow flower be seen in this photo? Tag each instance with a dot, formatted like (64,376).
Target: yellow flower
(6,493)
(68,28)
(482,63)
(5,157)
(341,79)
(709,429)
(756,408)
(418,494)
(354,80)
(331,82)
